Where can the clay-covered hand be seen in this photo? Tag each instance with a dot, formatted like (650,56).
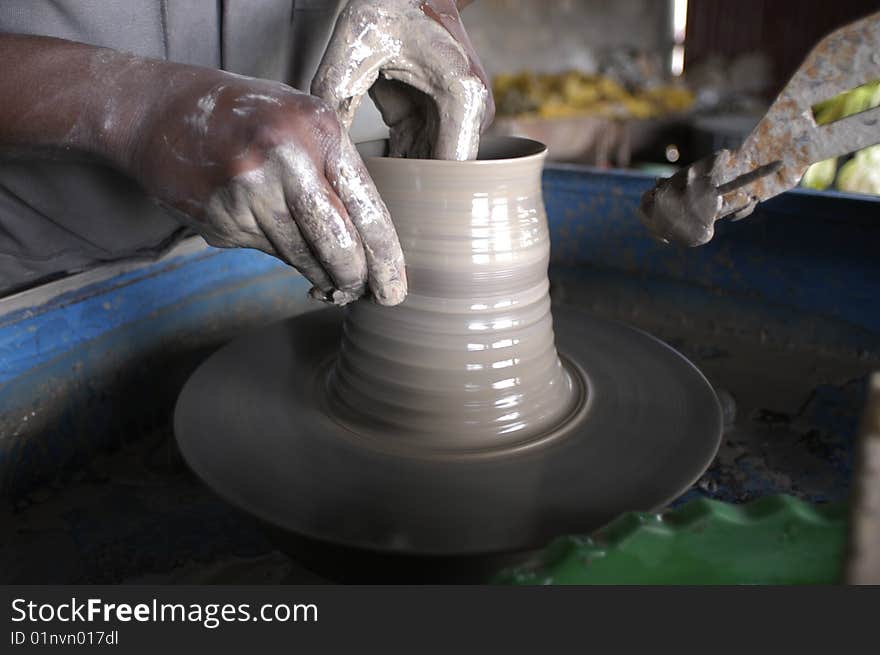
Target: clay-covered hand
(415,59)
(258,164)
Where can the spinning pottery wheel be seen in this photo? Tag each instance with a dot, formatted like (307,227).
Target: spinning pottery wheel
(465,421)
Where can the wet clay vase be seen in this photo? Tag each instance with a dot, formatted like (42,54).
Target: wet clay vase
(467,362)
(448,429)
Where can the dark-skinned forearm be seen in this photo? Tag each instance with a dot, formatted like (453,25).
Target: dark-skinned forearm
(66,98)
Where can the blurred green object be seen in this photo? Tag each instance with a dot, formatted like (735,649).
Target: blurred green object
(861,174)
(820,176)
(773,540)
(660,170)
(847,103)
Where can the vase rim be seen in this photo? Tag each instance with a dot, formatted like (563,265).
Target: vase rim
(493,150)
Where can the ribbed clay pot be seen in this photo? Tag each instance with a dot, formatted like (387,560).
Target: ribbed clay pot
(468,361)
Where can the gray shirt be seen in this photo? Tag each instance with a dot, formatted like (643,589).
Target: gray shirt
(59,217)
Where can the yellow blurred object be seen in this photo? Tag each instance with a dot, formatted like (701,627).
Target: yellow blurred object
(671,98)
(563,95)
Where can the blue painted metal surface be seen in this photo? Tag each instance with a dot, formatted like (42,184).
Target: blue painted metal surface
(101,365)
(33,336)
(817,252)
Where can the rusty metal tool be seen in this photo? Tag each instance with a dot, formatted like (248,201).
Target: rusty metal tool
(683,208)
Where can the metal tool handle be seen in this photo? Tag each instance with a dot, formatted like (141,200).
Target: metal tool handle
(776,154)
(787,140)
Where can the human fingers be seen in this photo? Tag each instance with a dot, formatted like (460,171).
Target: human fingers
(323,221)
(269,207)
(381,246)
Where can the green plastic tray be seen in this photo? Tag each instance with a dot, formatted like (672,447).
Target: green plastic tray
(773,540)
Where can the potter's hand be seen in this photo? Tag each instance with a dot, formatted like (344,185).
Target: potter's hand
(420,68)
(258,164)
(246,162)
